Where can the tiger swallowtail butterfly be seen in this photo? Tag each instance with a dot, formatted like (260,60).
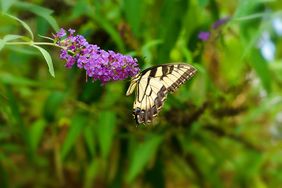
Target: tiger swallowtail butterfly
(152,86)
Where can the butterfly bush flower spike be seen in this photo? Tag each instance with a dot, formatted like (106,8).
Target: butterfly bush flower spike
(99,64)
(205,35)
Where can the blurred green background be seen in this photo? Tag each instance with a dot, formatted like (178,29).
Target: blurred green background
(221,129)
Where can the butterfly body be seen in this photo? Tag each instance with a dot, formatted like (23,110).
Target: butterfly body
(152,86)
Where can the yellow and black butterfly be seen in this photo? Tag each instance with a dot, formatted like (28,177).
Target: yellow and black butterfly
(152,86)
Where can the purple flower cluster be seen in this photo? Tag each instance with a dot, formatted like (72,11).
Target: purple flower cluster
(205,35)
(99,64)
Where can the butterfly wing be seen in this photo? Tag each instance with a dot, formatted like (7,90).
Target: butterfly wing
(173,75)
(150,96)
(153,85)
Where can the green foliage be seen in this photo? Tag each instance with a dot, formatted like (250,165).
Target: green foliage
(142,154)
(8,38)
(220,129)
(76,127)
(45,53)
(23,24)
(40,11)
(36,132)
(133,14)
(105,131)
(48,59)
(52,103)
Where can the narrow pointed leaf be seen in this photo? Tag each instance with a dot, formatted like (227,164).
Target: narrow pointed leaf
(76,127)
(47,58)
(23,24)
(36,133)
(40,11)
(5,5)
(8,38)
(105,131)
(141,156)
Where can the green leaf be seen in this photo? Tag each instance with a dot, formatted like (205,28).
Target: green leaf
(91,172)
(2,44)
(79,9)
(11,37)
(252,16)
(36,132)
(150,44)
(47,58)
(89,139)
(22,49)
(48,38)
(262,70)
(52,105)
(90,92)
(246,7)
(105,130)
(4,180)
(141,156)
(7,38)
(10,79)
(78,123)
(23,24)
(113,94)
(107,26)
(253,161)
(203,3)
(42,26)
(147,49)
(133,14)
(251,37)
(19,123)
(40,11)
(5,5)
(173,12)
(4,135)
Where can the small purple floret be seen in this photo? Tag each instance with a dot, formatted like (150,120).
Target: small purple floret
(220,22)
(99,64)
(61,33)
(71,31)
(204,35)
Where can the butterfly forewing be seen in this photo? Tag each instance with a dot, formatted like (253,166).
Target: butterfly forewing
(153,85)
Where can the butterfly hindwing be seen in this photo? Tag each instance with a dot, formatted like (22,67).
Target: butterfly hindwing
(152,86)
(149,100)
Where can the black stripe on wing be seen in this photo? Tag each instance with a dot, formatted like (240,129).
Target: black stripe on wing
(189,73)
(147,115)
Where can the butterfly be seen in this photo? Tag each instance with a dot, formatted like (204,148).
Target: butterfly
(152,86)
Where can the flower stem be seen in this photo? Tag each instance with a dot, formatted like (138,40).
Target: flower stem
(30,43)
